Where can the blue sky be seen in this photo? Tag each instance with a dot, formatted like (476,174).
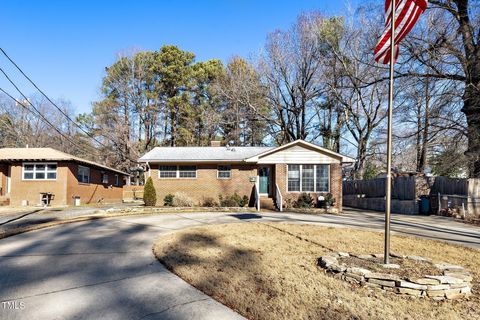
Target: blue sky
(65,45)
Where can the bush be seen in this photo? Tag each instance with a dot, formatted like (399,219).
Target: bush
(304,201)
(245,201)
(209,202)
(329,200)
(233,200)
(149,193)
(180,199)
(168,200)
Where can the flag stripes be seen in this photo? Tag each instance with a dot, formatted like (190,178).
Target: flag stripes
(406,13)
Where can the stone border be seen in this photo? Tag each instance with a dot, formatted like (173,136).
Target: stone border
(455,283)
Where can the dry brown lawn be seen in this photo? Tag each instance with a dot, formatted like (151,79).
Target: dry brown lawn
(268,271)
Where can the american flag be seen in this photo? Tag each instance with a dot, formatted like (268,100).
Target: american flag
(406,13)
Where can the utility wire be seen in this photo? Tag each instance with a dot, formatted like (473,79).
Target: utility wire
(50,100)
(38,112)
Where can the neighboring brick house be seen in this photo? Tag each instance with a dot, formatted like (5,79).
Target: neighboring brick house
(29,174)
(275,175)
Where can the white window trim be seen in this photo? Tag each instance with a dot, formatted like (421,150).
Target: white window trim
(89,174)
(104,174)
(177,173)
(314,178)
(35,170)
(229,171)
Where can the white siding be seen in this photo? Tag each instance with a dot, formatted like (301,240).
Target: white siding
(298,155)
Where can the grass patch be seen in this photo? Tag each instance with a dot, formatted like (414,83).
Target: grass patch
(268,271)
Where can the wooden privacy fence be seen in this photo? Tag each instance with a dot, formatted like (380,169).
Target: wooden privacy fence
(445,196)
(403,188)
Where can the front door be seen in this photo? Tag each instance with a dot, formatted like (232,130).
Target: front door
(264,180)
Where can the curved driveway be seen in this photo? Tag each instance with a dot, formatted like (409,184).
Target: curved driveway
(105,269)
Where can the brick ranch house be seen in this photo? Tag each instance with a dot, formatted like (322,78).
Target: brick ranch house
(28,174)
(271,176)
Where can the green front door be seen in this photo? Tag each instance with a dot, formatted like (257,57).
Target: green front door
(264,175)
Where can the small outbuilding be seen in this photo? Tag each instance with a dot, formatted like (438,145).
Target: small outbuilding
(40,176)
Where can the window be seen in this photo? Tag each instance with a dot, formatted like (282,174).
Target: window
(104,177)
(117,180)
(167,171)
(323,178)
(39,171)
(294,177)
(187,171)
(308,178)
(224,172)
(83,174)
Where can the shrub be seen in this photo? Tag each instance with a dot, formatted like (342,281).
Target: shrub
(209,202)
(329,200)
(229,201)
(149,193)
(245,201)
(233,200)
(304,201)
(181,199)
(168,200)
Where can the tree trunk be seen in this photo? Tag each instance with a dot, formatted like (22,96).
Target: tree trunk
(471,109)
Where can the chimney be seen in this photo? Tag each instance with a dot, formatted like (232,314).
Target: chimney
(215,143)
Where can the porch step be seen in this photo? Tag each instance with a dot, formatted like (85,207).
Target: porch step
(267,203)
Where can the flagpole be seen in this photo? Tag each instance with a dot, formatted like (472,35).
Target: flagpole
(389,139)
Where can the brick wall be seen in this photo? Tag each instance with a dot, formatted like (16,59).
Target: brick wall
(30,189)
(95,191)
(64,188)
(335,185)
(206,184)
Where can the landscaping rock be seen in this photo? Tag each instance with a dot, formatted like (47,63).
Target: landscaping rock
(446,266)
(358,271)
(453,294)
(446,279)
(410,285)
(383,283)
(424,281)
(465,276)
(411,292)
(382,276)
(436,293)
(438,287)
(453,284)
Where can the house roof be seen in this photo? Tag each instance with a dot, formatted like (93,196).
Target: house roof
(344,159)
(46,154)
(201,154)
(227,154)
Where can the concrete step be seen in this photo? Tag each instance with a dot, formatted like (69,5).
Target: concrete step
(267,203)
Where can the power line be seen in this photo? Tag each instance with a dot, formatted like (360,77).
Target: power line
(38,112)
(50,100)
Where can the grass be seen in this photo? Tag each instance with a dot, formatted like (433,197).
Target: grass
(268,271)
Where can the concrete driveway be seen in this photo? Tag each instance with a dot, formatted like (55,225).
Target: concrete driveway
(105,269)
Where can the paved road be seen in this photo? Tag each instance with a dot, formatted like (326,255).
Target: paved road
(105,269)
